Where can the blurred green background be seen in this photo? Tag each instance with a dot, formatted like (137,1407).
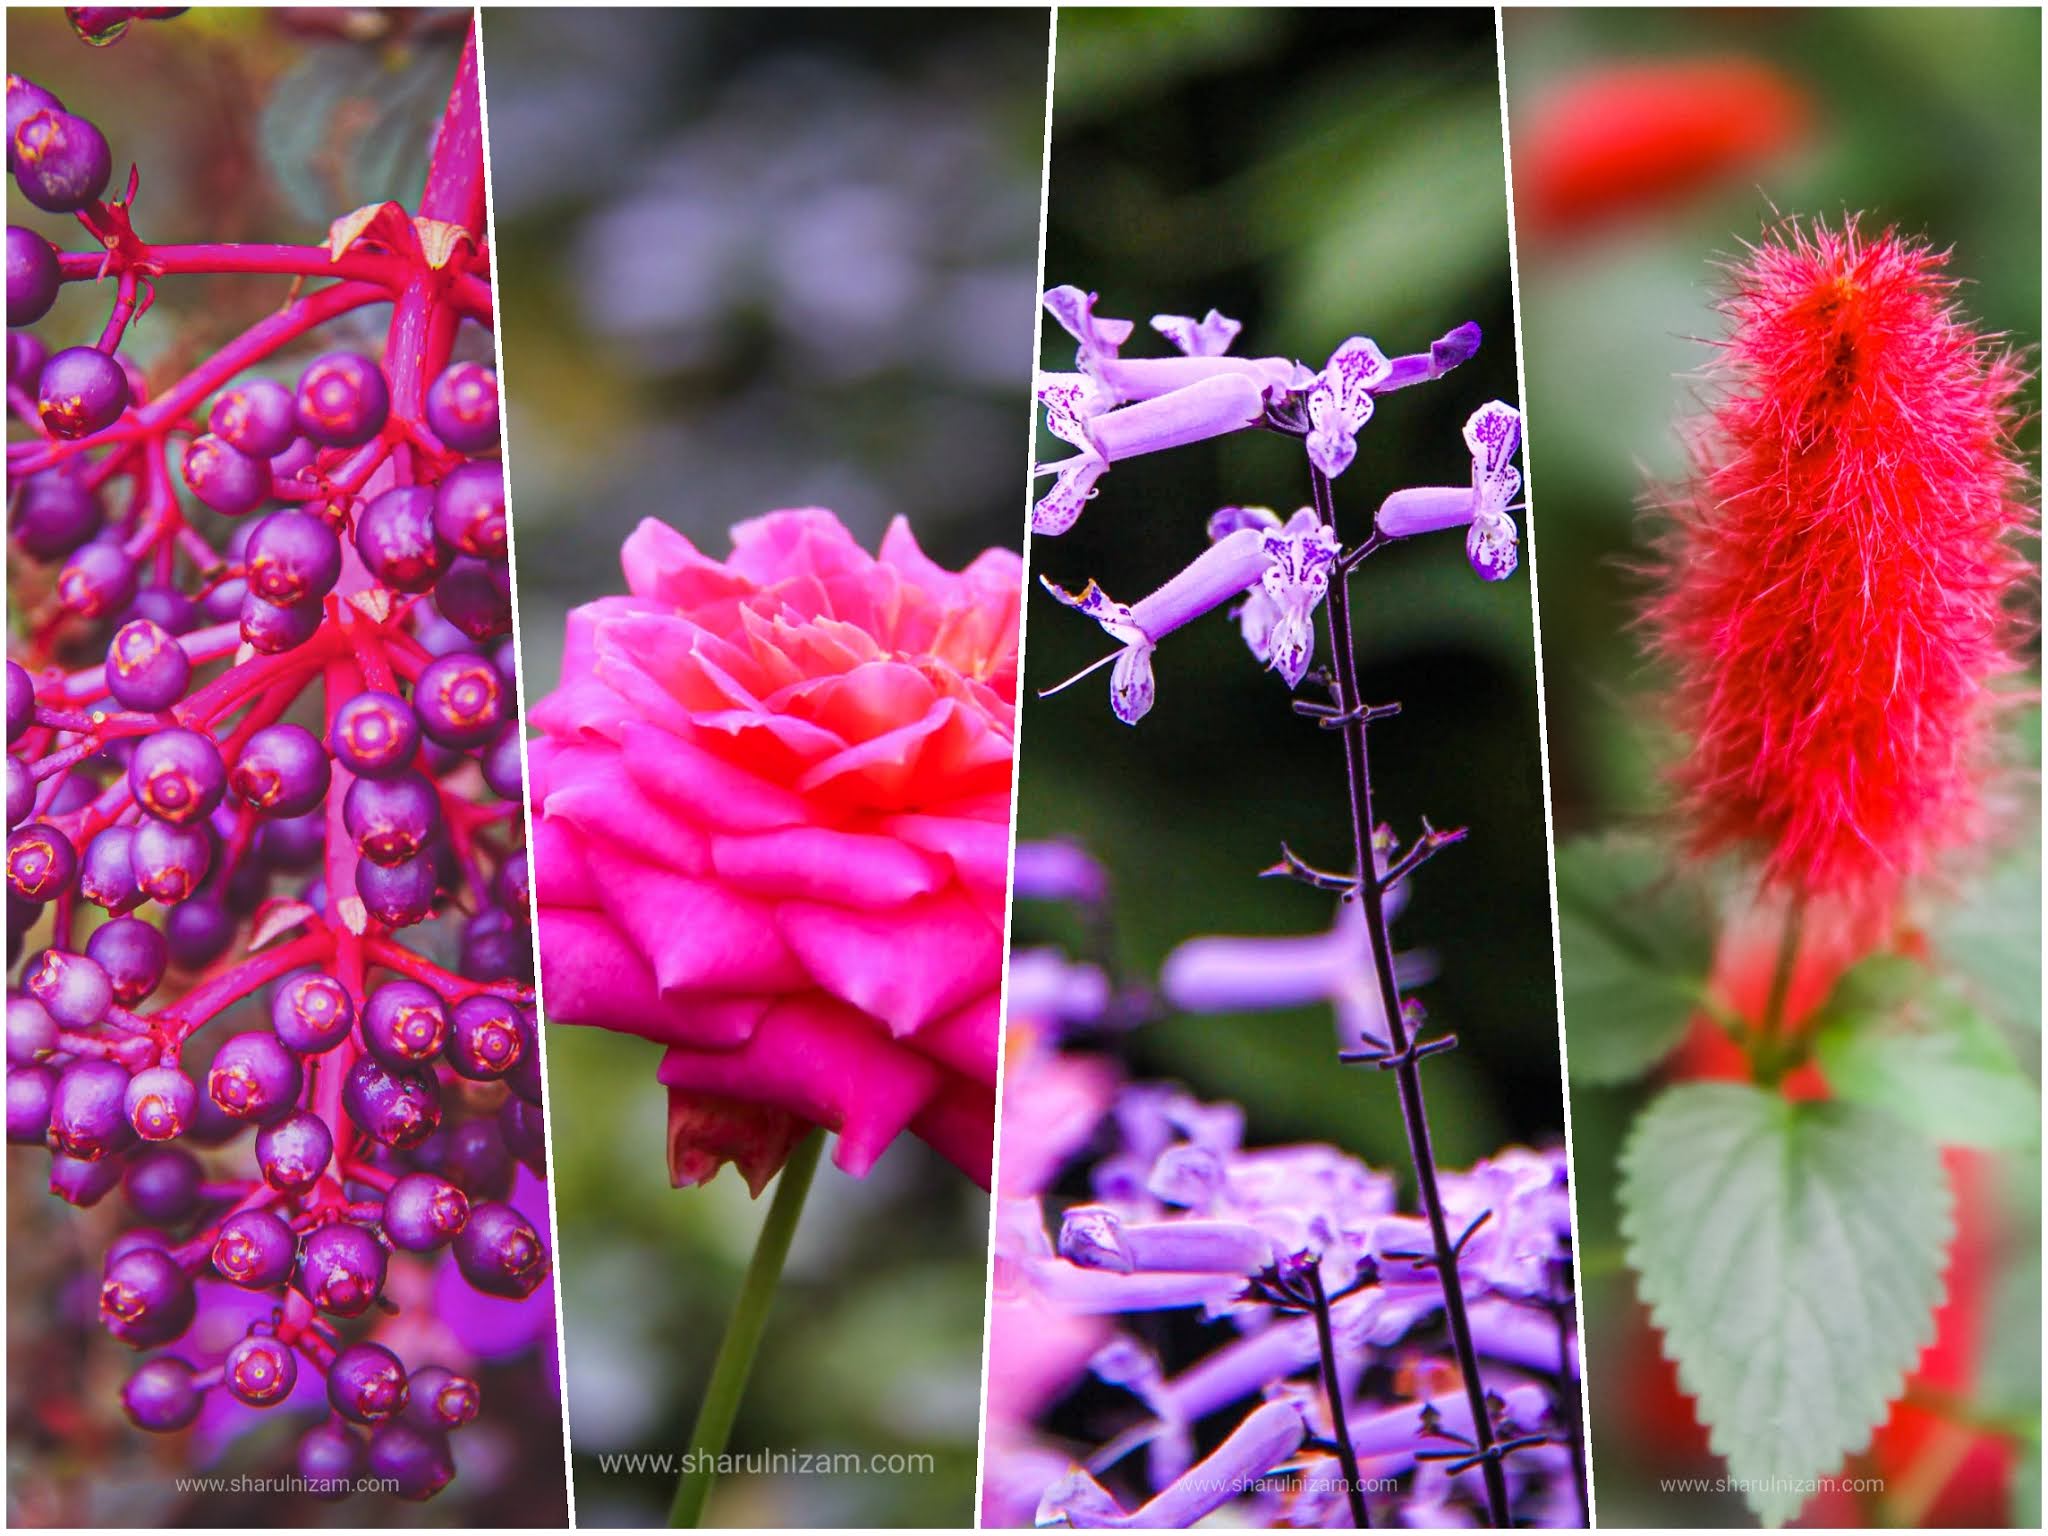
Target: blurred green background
(1317,175)
(1930,119)
(750,260)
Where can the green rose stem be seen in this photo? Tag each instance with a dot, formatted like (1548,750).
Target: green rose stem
(743,1331)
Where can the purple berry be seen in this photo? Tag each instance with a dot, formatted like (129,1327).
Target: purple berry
(160,1103)
(417,1460)
(25,97)
(33,278)
(395,537)
(469,509)
(341,1269)
(282,771)
(476,597)
(495,946)
(274,630)
(97,580)
(61,162)
(83,1182)
(81,391)
(342,400)
(260,1371)
(146,1299)
(255,1078)
(460,701)
(21,792)
(87,1118)
(499,1253)
(147,669)
(292,1154)
(292,842)
(503,764)
(392,819)
(55,514)
(375,735)
(29,1091)
(166,606)
(398,895)
(483,1038)
(162,1185)
(170,861)
(477,1160)
(225,478)
(399,1109)
(438,1399)
(25,357)
(366,1384)
(177,775)
(404,1025)
(257,418)
(462,407)
(311,1012)
(40,863)
(74,988)
(199,931)
(31,1032)
(132,953)
(524,1130)
(21,701)
(423,1212)
(255,1250)
(292,559)
(161,1397)
(330,1459)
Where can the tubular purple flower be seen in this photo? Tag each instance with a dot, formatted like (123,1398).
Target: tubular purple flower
(1055,870)
(1097,338)
(1095,1237)
(1149,378)
(1255,1449)
(1044,984)
(1493,435)
(1210,406)
(1444,354)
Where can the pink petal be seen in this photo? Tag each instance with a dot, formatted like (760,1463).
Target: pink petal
(817,864)
(705,788)
(591,974)
(907,966)
(698,935)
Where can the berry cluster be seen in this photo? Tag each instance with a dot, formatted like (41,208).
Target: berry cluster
(263,769)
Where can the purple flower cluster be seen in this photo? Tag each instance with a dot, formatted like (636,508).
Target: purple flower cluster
(1182,1217)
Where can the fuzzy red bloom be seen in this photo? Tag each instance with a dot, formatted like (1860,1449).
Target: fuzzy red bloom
(1838,587)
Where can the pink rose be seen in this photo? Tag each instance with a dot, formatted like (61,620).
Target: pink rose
(772,812)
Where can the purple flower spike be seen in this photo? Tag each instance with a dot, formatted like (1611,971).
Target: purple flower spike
(1444,354)
(1209,336)
(1095,1237)
(1056,870)
(1209,407)
(1340,402)
(1255,1449)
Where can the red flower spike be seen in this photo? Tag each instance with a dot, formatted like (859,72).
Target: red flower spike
(1838,584)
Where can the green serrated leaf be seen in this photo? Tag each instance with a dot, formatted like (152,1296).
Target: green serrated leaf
(1897,1037)
(1636,943)
(1791,1255)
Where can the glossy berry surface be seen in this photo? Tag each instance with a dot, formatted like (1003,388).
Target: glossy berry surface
(32,276)
(257,417)
(282,771)
(312,1012)
(147,669)
(146,1299)
(469,509)
(88,1115)
(225,478)
(394,818)
(292,559)
(260,1371)
(405,1025)
(400,1109)
(177,775)
(342,400)
(418,1461)
(292,1154)
(461,700)
(161,1396)
(254,1077)
(81,391)
(160,1103)
(396,538)
(500,1253)
(255,1249)
(366,1384)
(60,162)
(462,407)
(375,735)
(423,1212)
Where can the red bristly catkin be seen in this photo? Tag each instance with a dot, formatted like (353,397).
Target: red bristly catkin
(1838,589)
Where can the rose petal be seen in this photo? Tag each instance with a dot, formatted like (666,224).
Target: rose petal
(700,936)
(705,788)
(817,864)
(592,975)
(960,1126)
(906,966)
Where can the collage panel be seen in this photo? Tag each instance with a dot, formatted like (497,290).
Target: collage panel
(1239,1157)
(768,375)
(1781,296)
(278,1244)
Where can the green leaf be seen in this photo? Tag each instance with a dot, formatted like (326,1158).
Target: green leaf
(1791,1256)
(1991,934)
(1895,1036)
(1636,943)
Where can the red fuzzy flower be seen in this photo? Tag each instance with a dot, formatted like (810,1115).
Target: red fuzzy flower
(1837,593)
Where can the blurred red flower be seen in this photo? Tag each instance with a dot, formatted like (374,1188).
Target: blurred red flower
(1628,139)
